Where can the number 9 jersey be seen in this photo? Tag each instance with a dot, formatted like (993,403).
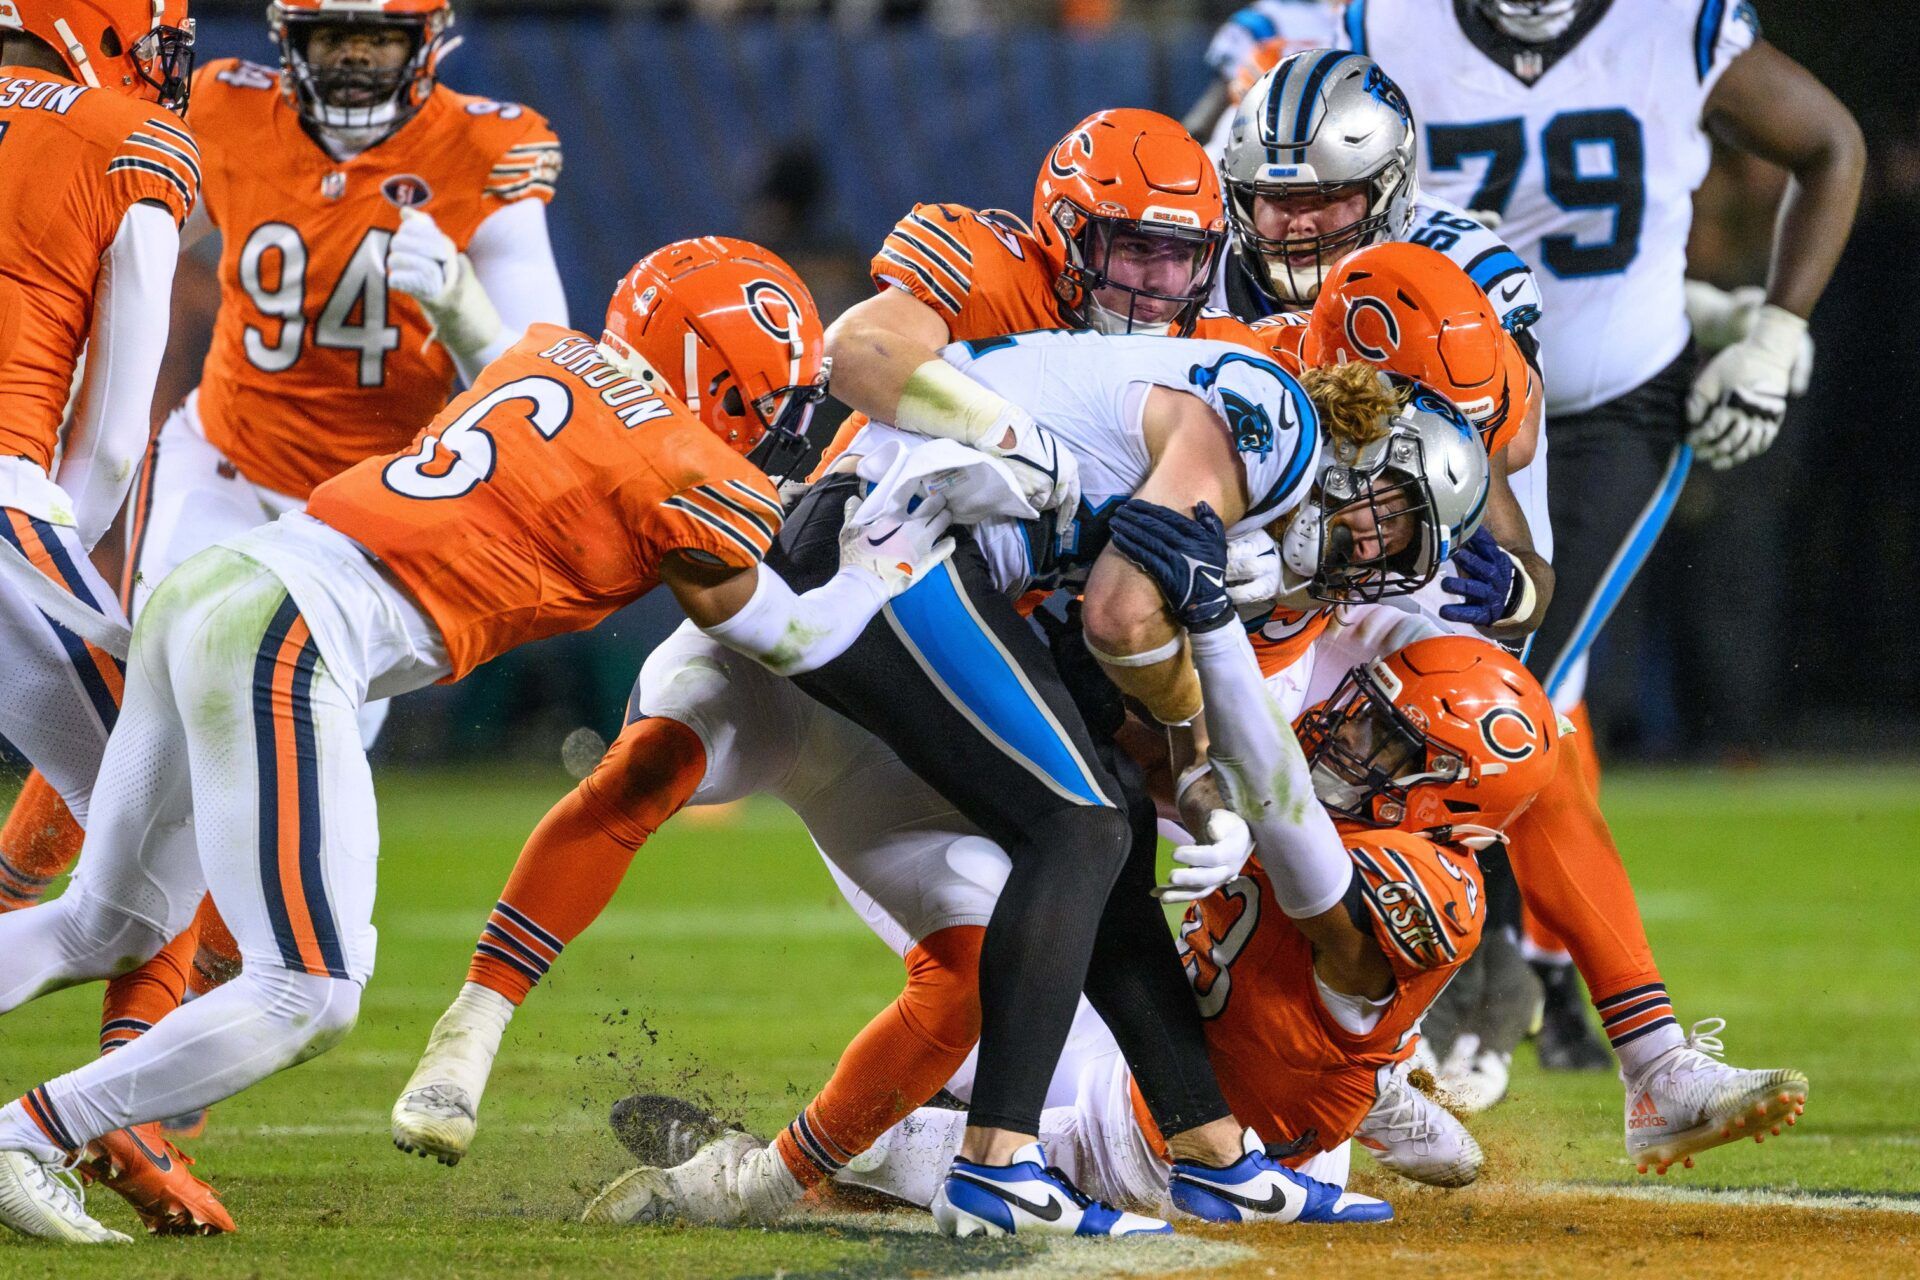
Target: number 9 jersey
(1589,149)
(315,364)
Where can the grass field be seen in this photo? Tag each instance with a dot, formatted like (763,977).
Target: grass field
(1779,899)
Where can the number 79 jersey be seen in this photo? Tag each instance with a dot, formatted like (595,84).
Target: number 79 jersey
(1589,150)
(315,364)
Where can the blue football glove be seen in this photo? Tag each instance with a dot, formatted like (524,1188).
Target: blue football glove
(1186,556)
(1487,589)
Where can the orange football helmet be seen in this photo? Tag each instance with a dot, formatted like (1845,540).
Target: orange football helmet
(142,48)
(1128,214)
(1449,732)
(349,96)
(735,335)
(1413,311)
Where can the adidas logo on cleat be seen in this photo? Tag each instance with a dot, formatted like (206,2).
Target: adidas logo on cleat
(1645,1115)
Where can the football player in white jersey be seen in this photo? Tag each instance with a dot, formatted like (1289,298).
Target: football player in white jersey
(1249,42)
(1586,126)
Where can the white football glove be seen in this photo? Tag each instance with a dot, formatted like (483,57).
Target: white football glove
(898,552)
(1048,473)
(1253,572)
(1205,867)
(1722,317)
(424,264)
(1739,399)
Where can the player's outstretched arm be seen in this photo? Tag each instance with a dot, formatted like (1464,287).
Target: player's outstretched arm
(753,611)
(112,419)
(479,302)
(1768,105)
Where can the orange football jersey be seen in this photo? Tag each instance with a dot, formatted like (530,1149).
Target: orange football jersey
(315,364)
(982,271)
(1286,1067)
(74,161)
(545,498)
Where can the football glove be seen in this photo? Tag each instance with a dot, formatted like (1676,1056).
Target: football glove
(898,552)
(1048,473)
(1186,556)
(1722,317)
(1253,571)
(424,264)
(1490,583)
(1740,398)
(1203,868)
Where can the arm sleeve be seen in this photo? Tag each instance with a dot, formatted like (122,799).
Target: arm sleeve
(792,634)
(113,416)
(513,265)
(1264,777)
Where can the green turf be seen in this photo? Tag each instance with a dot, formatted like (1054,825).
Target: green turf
(728,966)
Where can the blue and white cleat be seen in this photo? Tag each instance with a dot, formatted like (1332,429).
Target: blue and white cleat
(1027,1196)
(1256,1188)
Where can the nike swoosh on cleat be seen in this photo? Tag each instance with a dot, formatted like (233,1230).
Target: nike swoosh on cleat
(161,1160)
(1274,1203)
(1045,1210)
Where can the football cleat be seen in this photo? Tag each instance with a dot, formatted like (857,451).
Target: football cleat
(1026,1195)
(1257,1188)
(733,1179)
(1566,1040)
(662,1131)
(147,1171)
(186,1126)
(43,1199)
(1417,1138)
(1687,1101)
(438,1111)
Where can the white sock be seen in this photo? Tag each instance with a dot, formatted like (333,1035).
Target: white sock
(1637,1054)
(461,1050)
(18,1132)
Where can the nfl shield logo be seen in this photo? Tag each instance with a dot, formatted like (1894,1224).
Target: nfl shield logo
(406,190)
(333,186)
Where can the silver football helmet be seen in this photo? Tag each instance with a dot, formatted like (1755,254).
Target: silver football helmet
(1532,21)
(1324,124)
(1384,518)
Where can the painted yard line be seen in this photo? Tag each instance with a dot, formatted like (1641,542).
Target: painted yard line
(1882,1201)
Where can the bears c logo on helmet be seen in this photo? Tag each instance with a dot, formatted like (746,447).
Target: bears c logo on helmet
(1061,164)
(773,309)
(1520,734)
(1389,326)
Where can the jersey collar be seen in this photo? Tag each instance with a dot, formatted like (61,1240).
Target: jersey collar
(1524,62)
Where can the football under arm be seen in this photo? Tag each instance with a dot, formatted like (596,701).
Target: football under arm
(753,611)
(1128,627)
(113,415)
(513,282)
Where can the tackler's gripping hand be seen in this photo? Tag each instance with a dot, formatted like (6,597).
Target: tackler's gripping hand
(1186,556)
(1484,582)
(899,552)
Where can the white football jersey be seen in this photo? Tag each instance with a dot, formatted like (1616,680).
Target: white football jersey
(1591,160)
(1090,391)
(1297,24)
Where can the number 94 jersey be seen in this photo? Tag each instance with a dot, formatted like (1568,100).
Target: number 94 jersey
(315,364)
(1589,149)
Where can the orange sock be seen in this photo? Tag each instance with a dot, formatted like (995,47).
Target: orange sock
(217,959)
(897,1062)
(38,843)
(137,1000)
(576,857)
(1571,875)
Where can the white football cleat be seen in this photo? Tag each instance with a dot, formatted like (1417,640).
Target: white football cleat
(438,1111)
(1417,1138)
(1686,1101)
(43,1199)
(733,1179)
(1025,1195)
(1474,1078)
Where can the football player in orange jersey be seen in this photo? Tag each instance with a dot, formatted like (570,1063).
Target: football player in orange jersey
(570,480)
(90,95)
(1313,966)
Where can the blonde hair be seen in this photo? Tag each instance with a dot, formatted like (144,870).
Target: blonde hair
(1355,403)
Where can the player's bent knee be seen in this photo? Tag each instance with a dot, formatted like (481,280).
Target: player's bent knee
(649,772)
(99,939)
(318,1011)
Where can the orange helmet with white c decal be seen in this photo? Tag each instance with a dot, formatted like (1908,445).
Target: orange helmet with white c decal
(735,335)
(1128,214)
(1448,732)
